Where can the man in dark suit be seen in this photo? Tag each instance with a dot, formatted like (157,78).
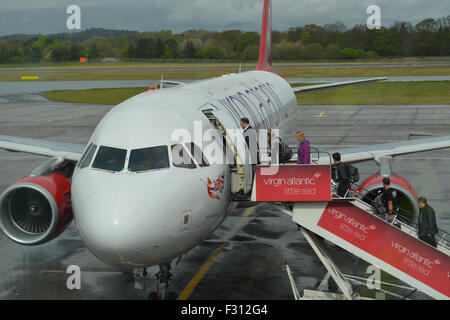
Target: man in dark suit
(251,139)
(340,175)
(427,222)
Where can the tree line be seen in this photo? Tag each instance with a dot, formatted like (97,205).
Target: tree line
(430,37)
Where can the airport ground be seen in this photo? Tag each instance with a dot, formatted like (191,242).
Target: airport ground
(250,264)
(153,71)
(380,93)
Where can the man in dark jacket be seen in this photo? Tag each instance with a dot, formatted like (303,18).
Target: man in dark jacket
(390,199)
(340,175)
(427,222)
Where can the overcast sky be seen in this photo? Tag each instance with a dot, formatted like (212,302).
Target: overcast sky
(49,16)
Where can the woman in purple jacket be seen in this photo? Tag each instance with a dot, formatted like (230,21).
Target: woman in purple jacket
(304,153)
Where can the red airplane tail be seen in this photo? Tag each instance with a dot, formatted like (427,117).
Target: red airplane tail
(265,53)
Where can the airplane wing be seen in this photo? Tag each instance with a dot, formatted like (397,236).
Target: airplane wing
(334,85)
(173,83)
(67,151)
(371,152)
(364,153)
(73,152)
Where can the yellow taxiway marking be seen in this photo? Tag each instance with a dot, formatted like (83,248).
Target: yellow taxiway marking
(322,114)
(30,77)
(212,258)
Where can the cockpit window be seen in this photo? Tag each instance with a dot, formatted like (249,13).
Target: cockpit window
(84,154)
(181,158)
(198,155)
(87,157)
(111,159)
(149,159)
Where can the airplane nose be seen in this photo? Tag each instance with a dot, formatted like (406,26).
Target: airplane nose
(108,224)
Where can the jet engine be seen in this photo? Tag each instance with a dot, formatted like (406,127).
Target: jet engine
(407,198)
(35,210)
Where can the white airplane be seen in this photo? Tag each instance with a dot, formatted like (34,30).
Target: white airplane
(138,198)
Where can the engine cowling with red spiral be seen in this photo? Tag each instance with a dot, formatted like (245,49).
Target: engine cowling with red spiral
(35,210)
(407,198)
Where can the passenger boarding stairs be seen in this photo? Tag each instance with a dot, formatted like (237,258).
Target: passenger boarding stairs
(350,224)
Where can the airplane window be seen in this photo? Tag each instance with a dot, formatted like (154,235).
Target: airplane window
(149,159)
(198,154)
(181,158)
(111,159)
(84,155)
(87,158)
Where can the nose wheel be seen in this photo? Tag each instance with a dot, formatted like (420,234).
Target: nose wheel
(164,276)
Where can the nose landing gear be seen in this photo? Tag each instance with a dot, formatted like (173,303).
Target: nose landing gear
(164,276)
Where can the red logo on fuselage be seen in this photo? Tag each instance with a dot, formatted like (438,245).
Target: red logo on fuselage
(215,187)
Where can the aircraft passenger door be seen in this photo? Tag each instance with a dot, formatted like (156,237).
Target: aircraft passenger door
(242,171)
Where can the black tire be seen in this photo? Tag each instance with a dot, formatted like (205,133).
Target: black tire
(153,296)
(172,296)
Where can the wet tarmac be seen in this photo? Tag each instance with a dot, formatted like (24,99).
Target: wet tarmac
(17,88)
(251,265)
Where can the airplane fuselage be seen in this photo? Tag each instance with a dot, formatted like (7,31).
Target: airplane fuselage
(142,218)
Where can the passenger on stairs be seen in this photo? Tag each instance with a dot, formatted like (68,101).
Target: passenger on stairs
(427,222)
(304,149)
(278,147)
(389,199)
(340,175)
(251,139)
